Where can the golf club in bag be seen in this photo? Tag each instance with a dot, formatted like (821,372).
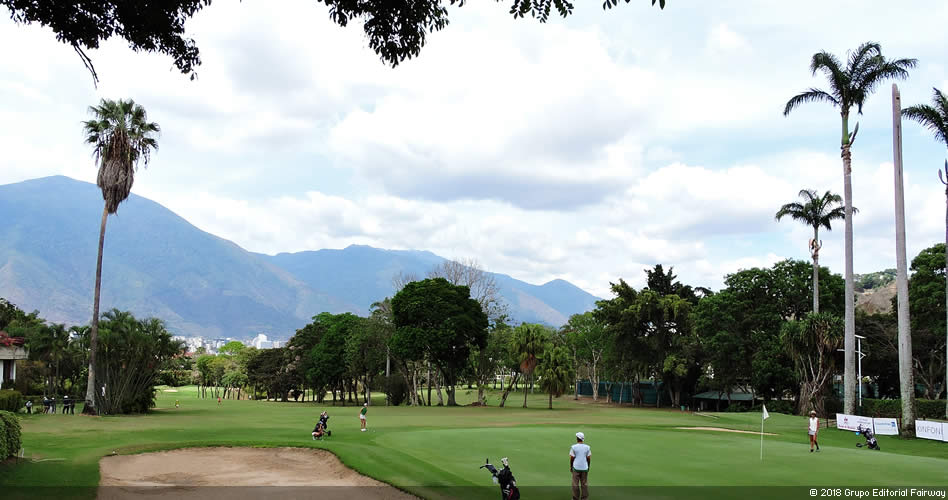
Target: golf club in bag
(505,478)
(871,442)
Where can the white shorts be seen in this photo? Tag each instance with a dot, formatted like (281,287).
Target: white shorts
(361,417)
(812,433)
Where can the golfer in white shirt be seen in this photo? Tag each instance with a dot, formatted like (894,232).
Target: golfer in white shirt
(579,459)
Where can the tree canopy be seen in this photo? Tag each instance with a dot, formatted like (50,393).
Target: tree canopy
(396,29)
(441,321)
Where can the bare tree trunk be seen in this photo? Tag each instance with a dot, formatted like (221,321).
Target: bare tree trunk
(594,379)
(906,379)
(525,392)
(816,269)
(89,408)
(513,380)
(849,355)
(428,380)
(438,389)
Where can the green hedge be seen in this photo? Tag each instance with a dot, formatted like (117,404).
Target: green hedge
(11,400)
(892,408)
(10,435)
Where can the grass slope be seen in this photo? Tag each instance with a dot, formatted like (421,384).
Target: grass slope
(435,452)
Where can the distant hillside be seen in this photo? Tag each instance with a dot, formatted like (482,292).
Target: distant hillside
(157,264)
(878,279)
(874,291)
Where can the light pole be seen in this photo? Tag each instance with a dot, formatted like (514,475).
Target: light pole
(861,355)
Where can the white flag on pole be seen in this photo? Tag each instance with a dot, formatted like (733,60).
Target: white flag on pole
(764,416)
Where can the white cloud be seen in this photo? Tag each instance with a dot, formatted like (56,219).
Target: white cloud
(586,149)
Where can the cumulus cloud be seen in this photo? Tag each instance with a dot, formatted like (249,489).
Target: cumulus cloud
(587,149)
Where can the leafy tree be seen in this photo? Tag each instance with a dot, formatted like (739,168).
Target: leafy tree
(121,137)
(485,361)
(365,353)
(232,347)
(816,211)
(483,285)
(396,30)
(927,308)
(267,370)
(328,358)
(556,372)
(444,320)
(812,343)
(591,339)
(850,85)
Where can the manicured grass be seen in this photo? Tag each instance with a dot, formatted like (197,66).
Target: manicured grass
(436,451)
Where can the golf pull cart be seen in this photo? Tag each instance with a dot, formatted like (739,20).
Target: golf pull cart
(505,478)
(871,442)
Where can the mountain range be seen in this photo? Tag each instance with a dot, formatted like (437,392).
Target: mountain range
(157,264)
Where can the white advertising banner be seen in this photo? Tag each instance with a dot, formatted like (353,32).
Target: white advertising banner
(852,422)
(886,426)
(930,430)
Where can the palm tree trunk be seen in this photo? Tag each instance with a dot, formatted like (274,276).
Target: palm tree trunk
(849,357)
(907,381)
(89,408)
(816,270)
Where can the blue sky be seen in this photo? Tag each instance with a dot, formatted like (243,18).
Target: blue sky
(585,149)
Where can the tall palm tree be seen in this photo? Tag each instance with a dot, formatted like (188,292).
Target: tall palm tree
(850,85)
(816,211)
(121,137)
(528,344)
(935,118)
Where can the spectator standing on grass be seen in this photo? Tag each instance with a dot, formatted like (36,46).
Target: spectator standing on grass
(65,405)
(29,406)
(365,409)
(579,458)
(813,429)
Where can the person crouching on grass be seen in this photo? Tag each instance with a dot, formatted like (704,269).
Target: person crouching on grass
(813,429)
(365,408)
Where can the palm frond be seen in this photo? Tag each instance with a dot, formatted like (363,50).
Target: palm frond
(121,137)
(862,60)
(881,71)
(812,95)
(934,118)
(830,64)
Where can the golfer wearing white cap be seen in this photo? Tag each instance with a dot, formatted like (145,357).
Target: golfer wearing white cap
(579,459)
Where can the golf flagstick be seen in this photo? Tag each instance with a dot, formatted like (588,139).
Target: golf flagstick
(763,416)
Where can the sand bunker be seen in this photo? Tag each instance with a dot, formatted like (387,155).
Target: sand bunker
(721,429)
(237,473)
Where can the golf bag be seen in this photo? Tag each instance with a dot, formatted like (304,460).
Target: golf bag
(505,478)
(871,442)
(323,425)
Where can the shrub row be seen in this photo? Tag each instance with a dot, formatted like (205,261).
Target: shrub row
(11,400)
(10,440)
(892,408)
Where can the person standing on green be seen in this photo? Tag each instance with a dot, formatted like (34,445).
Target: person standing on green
(365,409)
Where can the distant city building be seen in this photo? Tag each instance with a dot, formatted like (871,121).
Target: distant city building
(261,342)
